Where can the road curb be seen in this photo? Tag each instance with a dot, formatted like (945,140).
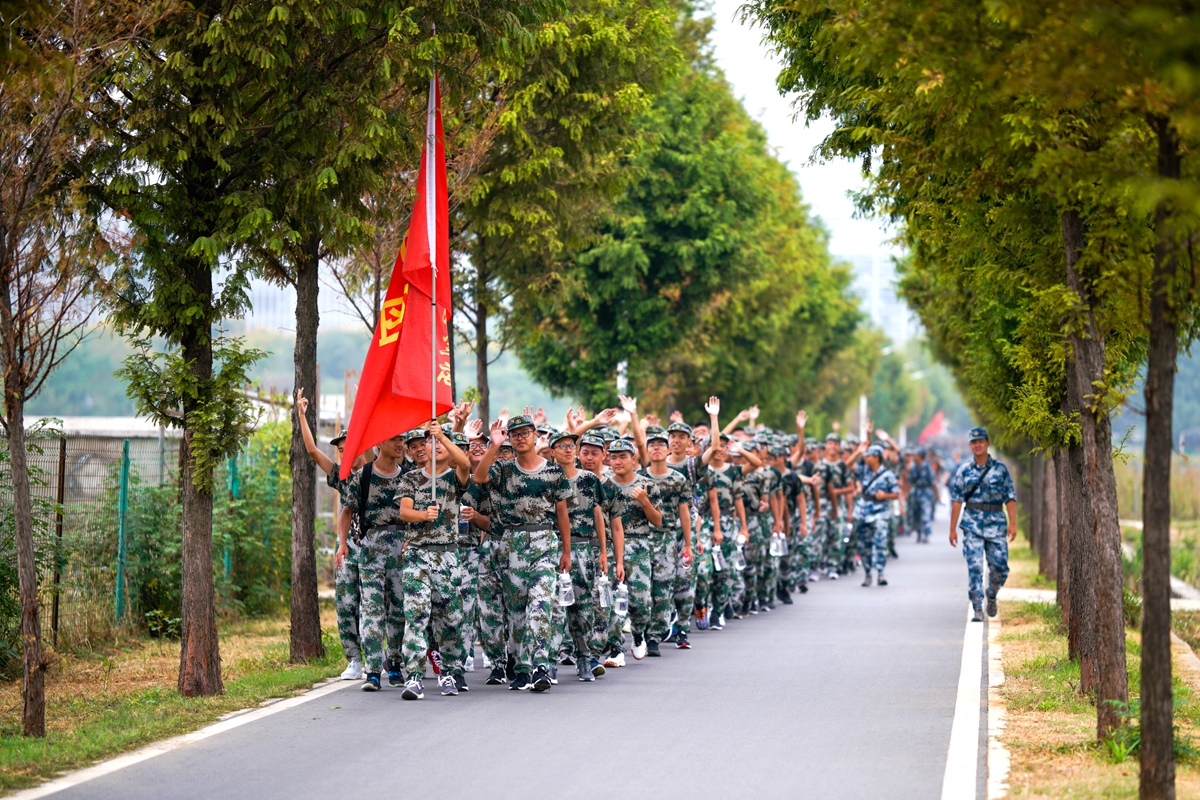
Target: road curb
(232,720)
(998,761)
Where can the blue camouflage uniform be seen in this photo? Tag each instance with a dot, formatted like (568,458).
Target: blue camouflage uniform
(871,517)
(922,497)
(984,524)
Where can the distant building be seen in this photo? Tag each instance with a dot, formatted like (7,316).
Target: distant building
(875,285)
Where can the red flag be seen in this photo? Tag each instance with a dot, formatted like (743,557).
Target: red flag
(934,428)
(396,391)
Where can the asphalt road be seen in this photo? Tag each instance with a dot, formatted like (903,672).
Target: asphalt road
(849,693)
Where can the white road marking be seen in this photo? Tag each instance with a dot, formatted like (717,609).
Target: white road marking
(962,760)
(998,761)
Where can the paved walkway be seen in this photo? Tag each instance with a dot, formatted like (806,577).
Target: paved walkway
(848,693)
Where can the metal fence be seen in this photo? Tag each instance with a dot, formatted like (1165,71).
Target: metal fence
(85,483)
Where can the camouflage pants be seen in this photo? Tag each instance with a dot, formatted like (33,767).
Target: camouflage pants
(755,551)
(685,581)
(767,566)
(837,542)
(637,559)
(730,582)
(348,593)
(493,615)
(531,558)
(468,560)
(702,569)
(663,552)
(579,618)
(976,550)
(432,605)
(923,509)
(872,543)
(382,603)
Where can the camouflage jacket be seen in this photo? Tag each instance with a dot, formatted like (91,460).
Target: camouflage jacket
(383,501)
(728,483)
(674,490)
(634,521)
(867,509)
(996,490)
(443,530)
(523,498)
(587,491)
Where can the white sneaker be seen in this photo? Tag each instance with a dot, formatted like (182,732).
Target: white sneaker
(487,662)
(469,664)
(639,650)
(813,577)
(617,660)
(833,575)
(626,628)
(353,670)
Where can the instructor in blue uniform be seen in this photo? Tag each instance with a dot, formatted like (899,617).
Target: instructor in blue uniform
(989,521)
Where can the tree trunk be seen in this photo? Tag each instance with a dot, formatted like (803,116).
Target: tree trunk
(1081,634)
(305,640)
(1157,779)
(1037,472)
(1050,519)
(1100,488)
(199,648)
(1062,483)
(481,348)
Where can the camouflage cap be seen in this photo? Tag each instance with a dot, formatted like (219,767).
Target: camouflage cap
(622,446)
(546,429)
(832,437)
(559,436)
(459,438)
(875,450)
(609,435)
(519,421)
(852,438)
(679,427)
(656,432)
(341,437)
(592,439)
(416,433)
(810,442)
(780,450)
(628,436)
(978,432)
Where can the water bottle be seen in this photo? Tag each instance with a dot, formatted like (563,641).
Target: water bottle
(773,548)
(604,589)
(739,559)
(783,545)
(718,559)
(566,590)
(621,601)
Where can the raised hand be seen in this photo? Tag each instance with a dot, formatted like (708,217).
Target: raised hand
(498,436)
(474,428)
(639,494)
(752,411)
(713,406)
(801,418)
(629,404)
(607,416)
(528,411)
(652,419)
(676,416)
(301,402)
(539,416)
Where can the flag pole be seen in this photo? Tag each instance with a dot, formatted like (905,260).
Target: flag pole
(431,227)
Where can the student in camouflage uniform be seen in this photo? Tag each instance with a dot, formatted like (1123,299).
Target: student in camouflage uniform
(922,495)
(636,505)
(588,546)
(676,495)
(379,514)
(531,502)
(432,573)
(592,453)
(693,469)
(727,520)
(873,510)
(756,497)
(494,629)
(984,486)
(835,485)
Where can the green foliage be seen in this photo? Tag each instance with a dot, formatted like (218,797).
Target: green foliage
(707,276)
(1126,741)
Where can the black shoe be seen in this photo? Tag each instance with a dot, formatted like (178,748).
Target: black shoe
(541,680)
(497,676)
(892,553)
(978,617)
(681,641)
(768,607)
(733,613)
(785,597)
(867,581)
(991,607)
(371,684)
(652,648)
(510,669)
(567,660)
(804,588)
(520,682)
(395,678)
(461,682)
(882,581)
(752,607)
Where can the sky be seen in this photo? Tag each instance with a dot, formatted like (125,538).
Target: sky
(751,70)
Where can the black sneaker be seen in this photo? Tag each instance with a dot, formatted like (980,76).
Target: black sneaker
(991,607)
(413,690)
(752,607)
(371,684)
(803,589)
(881,582)
(510,669)
(732,613)
(497,676)
(461,682)
(520,682)
(541,680)
(652,648)
(395,678)
(767,607)
(785,597)
(681,641)
(978,616)
(566,660)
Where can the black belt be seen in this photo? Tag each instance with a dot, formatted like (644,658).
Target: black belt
(579,540)
(985,506)
(436,548)
(492,537)
(638,535)
(382,529)
(530,528)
